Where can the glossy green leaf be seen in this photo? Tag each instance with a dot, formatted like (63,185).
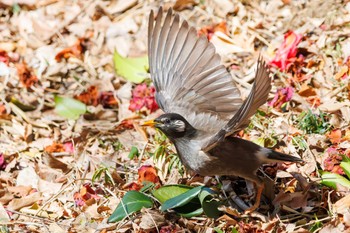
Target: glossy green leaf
(193,213)
(132,69)
(346,168)
(209,204)
(181,199)
(331,180)
(132,201)
(169,191)
(68,107)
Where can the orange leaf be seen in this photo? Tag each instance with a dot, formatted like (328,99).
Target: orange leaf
(306,90)
(89,97)
(208,31)
(74,51)
(148,173)
(343,70)
(55,147)
(26,75)
(181,5)
(335,136)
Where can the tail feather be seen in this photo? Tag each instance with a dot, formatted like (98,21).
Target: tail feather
(277,156)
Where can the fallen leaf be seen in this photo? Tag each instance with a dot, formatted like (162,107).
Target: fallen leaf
(55,147)
(151,219)
(69,108)
(343,70)
(74,51)
(335,136)
(18,203)
(209,31)
(4,217)
(306,90)
(20,190)
(89,97)
(181,5)
(26,75)
(27,177)
(148,173)
(108,100)
(132,69)
(53,162)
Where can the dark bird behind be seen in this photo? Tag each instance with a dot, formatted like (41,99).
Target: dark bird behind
(203,107)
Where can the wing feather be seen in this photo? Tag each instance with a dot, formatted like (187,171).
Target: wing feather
(257,97)
(188,75)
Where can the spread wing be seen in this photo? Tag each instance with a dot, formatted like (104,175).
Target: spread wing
(257,97)
(188,75)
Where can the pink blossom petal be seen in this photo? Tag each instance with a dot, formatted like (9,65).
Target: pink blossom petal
(68,147)
(282,96)
(287,51)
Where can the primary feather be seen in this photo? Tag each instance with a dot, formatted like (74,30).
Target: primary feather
(188,75)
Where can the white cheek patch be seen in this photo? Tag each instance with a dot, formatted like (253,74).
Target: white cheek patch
(179,126)
(263,154)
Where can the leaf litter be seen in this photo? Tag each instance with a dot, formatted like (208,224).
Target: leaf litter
(70,115)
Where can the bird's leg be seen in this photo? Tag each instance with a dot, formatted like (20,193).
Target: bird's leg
(260,188)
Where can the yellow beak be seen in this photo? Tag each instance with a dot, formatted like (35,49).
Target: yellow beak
(149,123)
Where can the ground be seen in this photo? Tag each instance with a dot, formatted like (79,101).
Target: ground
(72,102)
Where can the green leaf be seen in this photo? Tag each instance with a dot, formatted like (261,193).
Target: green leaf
(169,191)
(346,168)
(331,180)
(133,152)
(69,108)
(181,199)
(209,204)
(260,141)
(218,230)
(193,213)
(345,158)
(132,69)
(132,201)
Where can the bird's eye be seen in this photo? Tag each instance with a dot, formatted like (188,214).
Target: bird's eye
(167,121)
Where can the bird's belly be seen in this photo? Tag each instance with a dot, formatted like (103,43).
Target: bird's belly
(198,163)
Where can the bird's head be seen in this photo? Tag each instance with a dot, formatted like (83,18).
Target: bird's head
(173,125)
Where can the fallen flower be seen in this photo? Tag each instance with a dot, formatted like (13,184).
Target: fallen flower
(282,96)
(68,147)
(3,163)
(4,57)
(332,162)
(287,51)
(86,196)
(143,96)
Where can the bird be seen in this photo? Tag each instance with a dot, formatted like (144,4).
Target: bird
(203,108)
